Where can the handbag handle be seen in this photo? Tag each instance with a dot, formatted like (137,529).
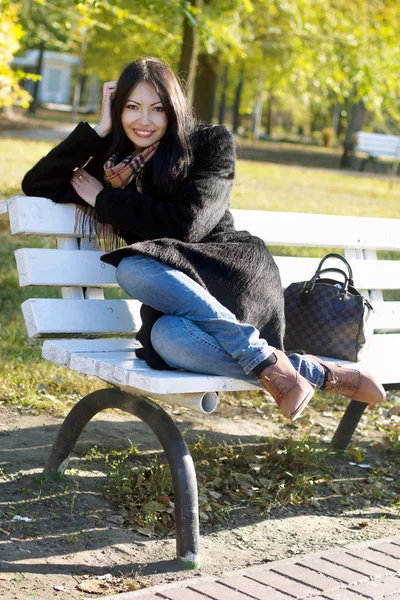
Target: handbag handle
(340,257)
(344,285)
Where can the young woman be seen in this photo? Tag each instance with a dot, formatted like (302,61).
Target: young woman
(212,296)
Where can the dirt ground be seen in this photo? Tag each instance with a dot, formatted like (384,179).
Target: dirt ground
(75,543)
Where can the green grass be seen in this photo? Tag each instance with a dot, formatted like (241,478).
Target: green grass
(264,476)
(18,156)
(266,186)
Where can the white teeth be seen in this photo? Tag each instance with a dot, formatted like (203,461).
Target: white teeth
(143,132)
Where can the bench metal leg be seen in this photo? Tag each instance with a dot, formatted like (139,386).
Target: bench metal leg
(175,447)
(348,424)
(364,163)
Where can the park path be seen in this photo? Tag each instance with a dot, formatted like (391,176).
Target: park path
(56,133)
(367,571)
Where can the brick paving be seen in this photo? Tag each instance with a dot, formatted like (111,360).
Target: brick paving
(367,571)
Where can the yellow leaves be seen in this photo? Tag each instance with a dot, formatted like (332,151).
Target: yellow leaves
(248,6)
(10,34)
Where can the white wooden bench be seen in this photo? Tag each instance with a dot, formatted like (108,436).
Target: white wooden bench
(378,145)
(73,324)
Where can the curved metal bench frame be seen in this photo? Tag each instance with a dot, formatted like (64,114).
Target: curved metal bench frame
(171,439)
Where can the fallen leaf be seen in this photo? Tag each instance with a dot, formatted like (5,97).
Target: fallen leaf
(93,586)
(152,506)
(204,518)
(163,500)
(144,530)
(218,483)
(116,519)
(244,479)
(266,482)
(215,495)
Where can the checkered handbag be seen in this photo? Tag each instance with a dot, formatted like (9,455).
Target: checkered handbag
(327,317)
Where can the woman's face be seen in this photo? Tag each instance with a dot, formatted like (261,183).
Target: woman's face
(143,117)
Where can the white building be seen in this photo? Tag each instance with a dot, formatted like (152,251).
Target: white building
(55,85)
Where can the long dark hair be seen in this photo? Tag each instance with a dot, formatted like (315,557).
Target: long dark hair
(173,157)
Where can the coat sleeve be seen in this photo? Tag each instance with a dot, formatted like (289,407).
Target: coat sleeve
(50,177)
(197,206)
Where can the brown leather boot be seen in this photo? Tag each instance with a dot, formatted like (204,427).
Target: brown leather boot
(357,385)
(290,390)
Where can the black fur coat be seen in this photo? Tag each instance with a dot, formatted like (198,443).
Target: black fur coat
(192,231)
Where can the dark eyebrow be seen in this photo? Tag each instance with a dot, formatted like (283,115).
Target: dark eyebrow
(138,103)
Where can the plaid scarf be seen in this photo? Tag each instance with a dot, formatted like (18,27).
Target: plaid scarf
(118,176)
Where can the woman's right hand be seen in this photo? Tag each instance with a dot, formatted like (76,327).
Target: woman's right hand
(104,127)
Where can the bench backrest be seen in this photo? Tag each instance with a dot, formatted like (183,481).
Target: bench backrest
(378,144)
(75,266)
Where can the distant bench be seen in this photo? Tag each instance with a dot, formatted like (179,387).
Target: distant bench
(378,145)
(75,326)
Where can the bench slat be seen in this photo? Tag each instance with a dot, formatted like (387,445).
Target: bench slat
(123,368)
(49,317)
(48,267)
(386,317)
(83,268)
(54,317)
(376,144)
(59,351)
(40,216)
(324,231)
(32,215)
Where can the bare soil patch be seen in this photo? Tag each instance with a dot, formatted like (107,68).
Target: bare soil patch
(75,543)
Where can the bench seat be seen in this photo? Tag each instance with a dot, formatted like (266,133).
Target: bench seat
(114,361)
(378,146)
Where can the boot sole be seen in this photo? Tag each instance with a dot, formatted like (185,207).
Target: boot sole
(299,410)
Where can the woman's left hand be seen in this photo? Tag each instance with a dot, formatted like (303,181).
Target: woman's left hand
(86,186)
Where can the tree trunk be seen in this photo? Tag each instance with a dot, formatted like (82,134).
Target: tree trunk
(336,117)
(355,124)
(205,88)
(80,79)
(269,120)
(257,116)
(189,54)
(236,104)
(35,95)
(222,102)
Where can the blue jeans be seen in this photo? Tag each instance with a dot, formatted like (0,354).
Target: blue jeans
(197,333)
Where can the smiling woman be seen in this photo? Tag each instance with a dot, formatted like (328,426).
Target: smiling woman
(144,119)
(212,296)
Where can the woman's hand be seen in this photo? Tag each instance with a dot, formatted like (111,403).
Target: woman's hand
(86,186)
(104,127)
